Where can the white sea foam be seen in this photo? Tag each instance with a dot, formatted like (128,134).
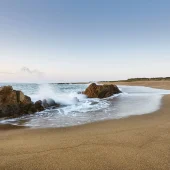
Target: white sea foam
(64,98)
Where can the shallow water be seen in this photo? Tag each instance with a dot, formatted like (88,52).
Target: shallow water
(135,100)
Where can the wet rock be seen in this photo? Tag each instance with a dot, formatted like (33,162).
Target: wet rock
(14,103)
(44,103)
(101,91)
(38,106)
(75,100)
(49,103)
(79,92)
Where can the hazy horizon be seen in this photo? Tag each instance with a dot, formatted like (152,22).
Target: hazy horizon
(82,41)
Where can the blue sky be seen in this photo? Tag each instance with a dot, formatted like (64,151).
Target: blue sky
(88,40)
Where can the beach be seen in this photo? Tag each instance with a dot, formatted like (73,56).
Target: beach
(136,142)
(154,84)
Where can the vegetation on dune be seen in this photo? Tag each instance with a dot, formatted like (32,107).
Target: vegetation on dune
(142,79)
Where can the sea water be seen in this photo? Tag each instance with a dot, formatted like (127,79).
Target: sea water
(77,109)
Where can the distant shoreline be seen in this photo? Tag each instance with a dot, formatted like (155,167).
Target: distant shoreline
(142,79)
(105,81)
(127,80)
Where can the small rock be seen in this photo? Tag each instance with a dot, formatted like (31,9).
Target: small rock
(101,91)
(38,106)
(49,103)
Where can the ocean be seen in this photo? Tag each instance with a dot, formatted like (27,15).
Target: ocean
(77,109)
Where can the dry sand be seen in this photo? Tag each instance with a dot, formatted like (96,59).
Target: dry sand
(134,143)
(155,84)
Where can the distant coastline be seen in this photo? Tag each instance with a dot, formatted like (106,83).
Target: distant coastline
(141,79)
(105,81)
(127,80)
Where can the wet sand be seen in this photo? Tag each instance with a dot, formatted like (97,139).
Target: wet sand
(134,143)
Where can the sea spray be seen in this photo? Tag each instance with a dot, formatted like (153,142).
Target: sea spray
(62,97)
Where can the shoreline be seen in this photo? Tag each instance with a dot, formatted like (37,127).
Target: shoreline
(15,127)
(135,142)
(133,83)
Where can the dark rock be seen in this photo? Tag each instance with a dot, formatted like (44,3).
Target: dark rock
(101,91)
(44,103)
(38,106)
(79,92)
(49,103)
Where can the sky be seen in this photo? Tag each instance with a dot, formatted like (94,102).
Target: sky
(83,40)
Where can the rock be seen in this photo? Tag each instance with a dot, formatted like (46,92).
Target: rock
(79,92)
(101,91)
(49,103)
(38,106)
(75,99)
(10,96)
(14,103)
(44,103)
(6,95)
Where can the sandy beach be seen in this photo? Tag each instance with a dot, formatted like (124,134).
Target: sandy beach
(133,143)
(154,84)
